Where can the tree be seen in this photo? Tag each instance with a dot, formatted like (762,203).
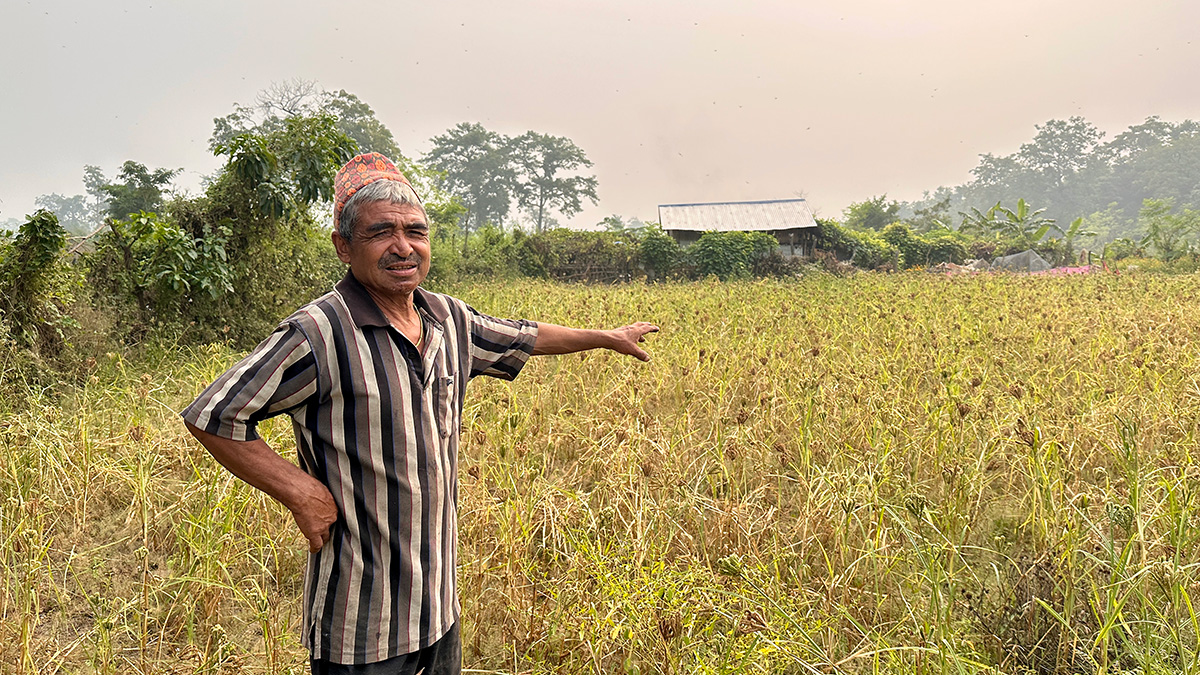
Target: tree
(538,160)
(31,291)
(1074,231)
(73,213)
(476,167)
(139,189)
(1060,149)
(935,216)
(873,214)
(978,223)
(1166,232)
(357,120)
(304,98)
(292,167)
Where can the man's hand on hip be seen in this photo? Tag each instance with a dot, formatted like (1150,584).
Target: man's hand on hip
(315,513)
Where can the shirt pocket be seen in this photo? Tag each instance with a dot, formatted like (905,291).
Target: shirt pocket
(445,399)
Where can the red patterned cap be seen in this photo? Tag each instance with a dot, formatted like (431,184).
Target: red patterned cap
(358,172)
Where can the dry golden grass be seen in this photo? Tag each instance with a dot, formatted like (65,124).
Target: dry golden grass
(875,474)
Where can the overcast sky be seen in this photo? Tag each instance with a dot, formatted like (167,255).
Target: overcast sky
(674,101)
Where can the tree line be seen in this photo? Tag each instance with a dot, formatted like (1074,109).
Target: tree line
(131,258)
(1137,193)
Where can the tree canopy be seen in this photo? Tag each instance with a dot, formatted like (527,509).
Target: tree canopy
(540,159)
(1070,170)
(477,168)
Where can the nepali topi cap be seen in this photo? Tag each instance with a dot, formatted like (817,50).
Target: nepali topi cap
(359,172)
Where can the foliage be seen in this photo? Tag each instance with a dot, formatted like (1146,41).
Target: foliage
(538,159)
(1119,249)
(730,255)
(923,250)
(1069,169)
(32,292)
(931,218)
(73,213)
(1022,224)
(304,98)
(291,168)
(659,252)
(477,168)
(865,249)
(1167,233)
(572,255)
(872,214)
(161,266)
(137,189)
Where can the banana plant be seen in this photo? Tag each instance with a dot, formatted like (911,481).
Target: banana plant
(978,222)
(1074,230)
(1024,224)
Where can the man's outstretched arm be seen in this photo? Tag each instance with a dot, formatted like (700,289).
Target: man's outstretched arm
(552,339)
(256,463)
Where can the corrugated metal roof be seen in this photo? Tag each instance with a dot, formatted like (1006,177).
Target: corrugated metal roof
(763,216)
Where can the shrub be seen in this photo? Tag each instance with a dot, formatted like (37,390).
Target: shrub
(660,252)
(912,250)
(730,255)
(578,256)
(34,287)
(872,251)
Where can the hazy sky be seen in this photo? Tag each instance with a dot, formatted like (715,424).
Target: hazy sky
(674,101)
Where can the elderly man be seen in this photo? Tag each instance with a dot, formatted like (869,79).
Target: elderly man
(373,376)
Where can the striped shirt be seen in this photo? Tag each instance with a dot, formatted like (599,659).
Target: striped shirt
(376,421)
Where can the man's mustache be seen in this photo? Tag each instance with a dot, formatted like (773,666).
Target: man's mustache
(393,259)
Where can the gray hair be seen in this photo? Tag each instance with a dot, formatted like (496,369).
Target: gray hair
(391,191)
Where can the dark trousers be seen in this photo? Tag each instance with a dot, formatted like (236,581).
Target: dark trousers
(443,657)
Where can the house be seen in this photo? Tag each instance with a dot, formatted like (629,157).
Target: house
(790,221)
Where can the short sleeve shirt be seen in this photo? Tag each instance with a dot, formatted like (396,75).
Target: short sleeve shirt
(376,421)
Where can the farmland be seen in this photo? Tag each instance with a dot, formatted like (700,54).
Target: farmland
(880,473)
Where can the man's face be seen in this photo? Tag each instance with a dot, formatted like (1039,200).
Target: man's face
(389,253)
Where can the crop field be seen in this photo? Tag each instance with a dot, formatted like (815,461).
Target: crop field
(880,473)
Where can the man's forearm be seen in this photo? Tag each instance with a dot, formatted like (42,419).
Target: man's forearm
(256,463)
(554,339)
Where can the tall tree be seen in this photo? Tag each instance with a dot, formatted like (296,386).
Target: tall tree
(1060,149)
(137,189)
(73,213)
(304,98)
(477,168)
(875,213)
(539,161)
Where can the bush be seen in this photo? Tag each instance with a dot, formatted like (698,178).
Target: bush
(34,285)
(873,252)
(913,251)
(571,255)
(730,255)
(660,253)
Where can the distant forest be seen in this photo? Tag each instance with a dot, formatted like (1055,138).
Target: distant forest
(1070,170)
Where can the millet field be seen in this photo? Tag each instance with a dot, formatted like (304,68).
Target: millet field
(900,473)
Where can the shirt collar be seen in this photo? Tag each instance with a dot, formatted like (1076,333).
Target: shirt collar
(365,312)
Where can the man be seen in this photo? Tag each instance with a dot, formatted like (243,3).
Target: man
(373,375)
